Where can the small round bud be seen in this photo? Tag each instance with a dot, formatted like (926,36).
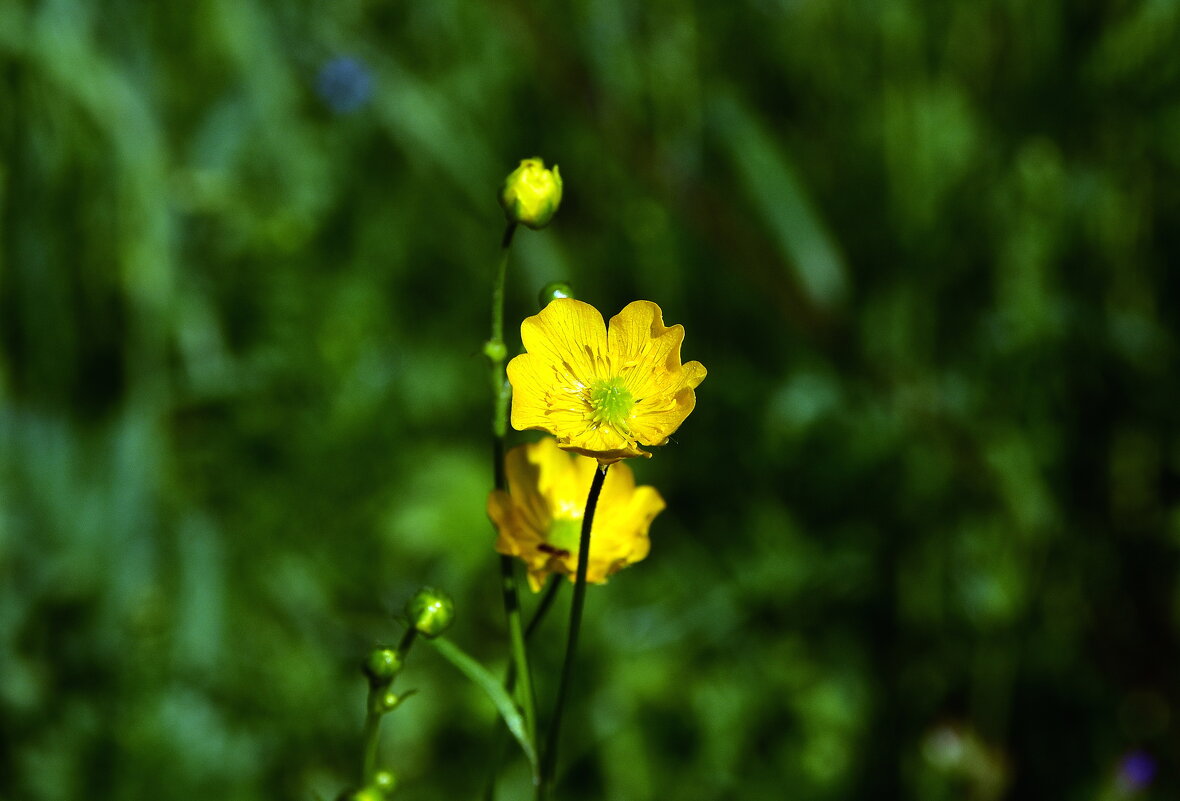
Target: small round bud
(531,194)
(430,611)
(390,701)
(496,351)
(554,290)
(382,665)
(384,781)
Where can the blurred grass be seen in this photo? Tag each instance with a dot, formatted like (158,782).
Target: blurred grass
(923,525)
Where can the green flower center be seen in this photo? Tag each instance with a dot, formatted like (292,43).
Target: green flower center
(611,404)
(565,534)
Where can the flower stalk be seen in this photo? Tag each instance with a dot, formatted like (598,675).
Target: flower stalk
(542,609)
(549,756)
(497,354)
(543,606)
(501,744)
(377,706)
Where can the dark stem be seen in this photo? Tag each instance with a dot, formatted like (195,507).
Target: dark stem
(549,758)
(543,605)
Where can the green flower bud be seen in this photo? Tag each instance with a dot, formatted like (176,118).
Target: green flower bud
(430,611)
(382,665)
(391,701)
(531,194)
(496,351)
(554,290)
(384,781)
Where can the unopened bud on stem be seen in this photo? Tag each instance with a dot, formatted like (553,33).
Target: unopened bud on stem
(430,611)
(554,290)
(531,194)
(382,665)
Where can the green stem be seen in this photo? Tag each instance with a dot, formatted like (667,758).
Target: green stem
(551,590)
(502,393)
(374,711)
(406,643)
(555,582)
(498,288)
(549,758)
(520,659)
(501,743)
(497,353)
(372,735)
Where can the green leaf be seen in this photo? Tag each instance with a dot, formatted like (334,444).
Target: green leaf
(495,691)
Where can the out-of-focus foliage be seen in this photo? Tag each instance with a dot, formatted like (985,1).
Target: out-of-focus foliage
(922,529)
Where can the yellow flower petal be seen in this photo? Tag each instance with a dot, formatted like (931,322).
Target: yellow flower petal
(568,336)
(643,350)
(660,416)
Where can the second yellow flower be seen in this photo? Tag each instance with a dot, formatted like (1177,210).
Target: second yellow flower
(539,519)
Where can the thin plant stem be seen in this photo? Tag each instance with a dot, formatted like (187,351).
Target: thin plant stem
(374,711)
(372,735)
(549,757)
(500,746)
(519,654)
(543,605)
(502,393)
(498,287)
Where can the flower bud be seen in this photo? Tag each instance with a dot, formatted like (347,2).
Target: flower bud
(554,290)
(495,351)
(384,781)
(382,665)
(531,194)
(430,611)
(391,700)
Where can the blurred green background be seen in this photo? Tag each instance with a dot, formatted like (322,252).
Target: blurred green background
(923,527)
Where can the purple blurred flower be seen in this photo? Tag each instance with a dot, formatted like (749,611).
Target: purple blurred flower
(345,84)
(1136,770)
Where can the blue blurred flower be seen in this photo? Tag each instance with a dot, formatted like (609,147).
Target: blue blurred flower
(1136,770)
(345,84)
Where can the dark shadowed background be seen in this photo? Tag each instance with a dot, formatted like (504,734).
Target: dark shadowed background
(923,527)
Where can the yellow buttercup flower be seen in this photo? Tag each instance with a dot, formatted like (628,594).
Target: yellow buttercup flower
(539,519)
(602,392)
